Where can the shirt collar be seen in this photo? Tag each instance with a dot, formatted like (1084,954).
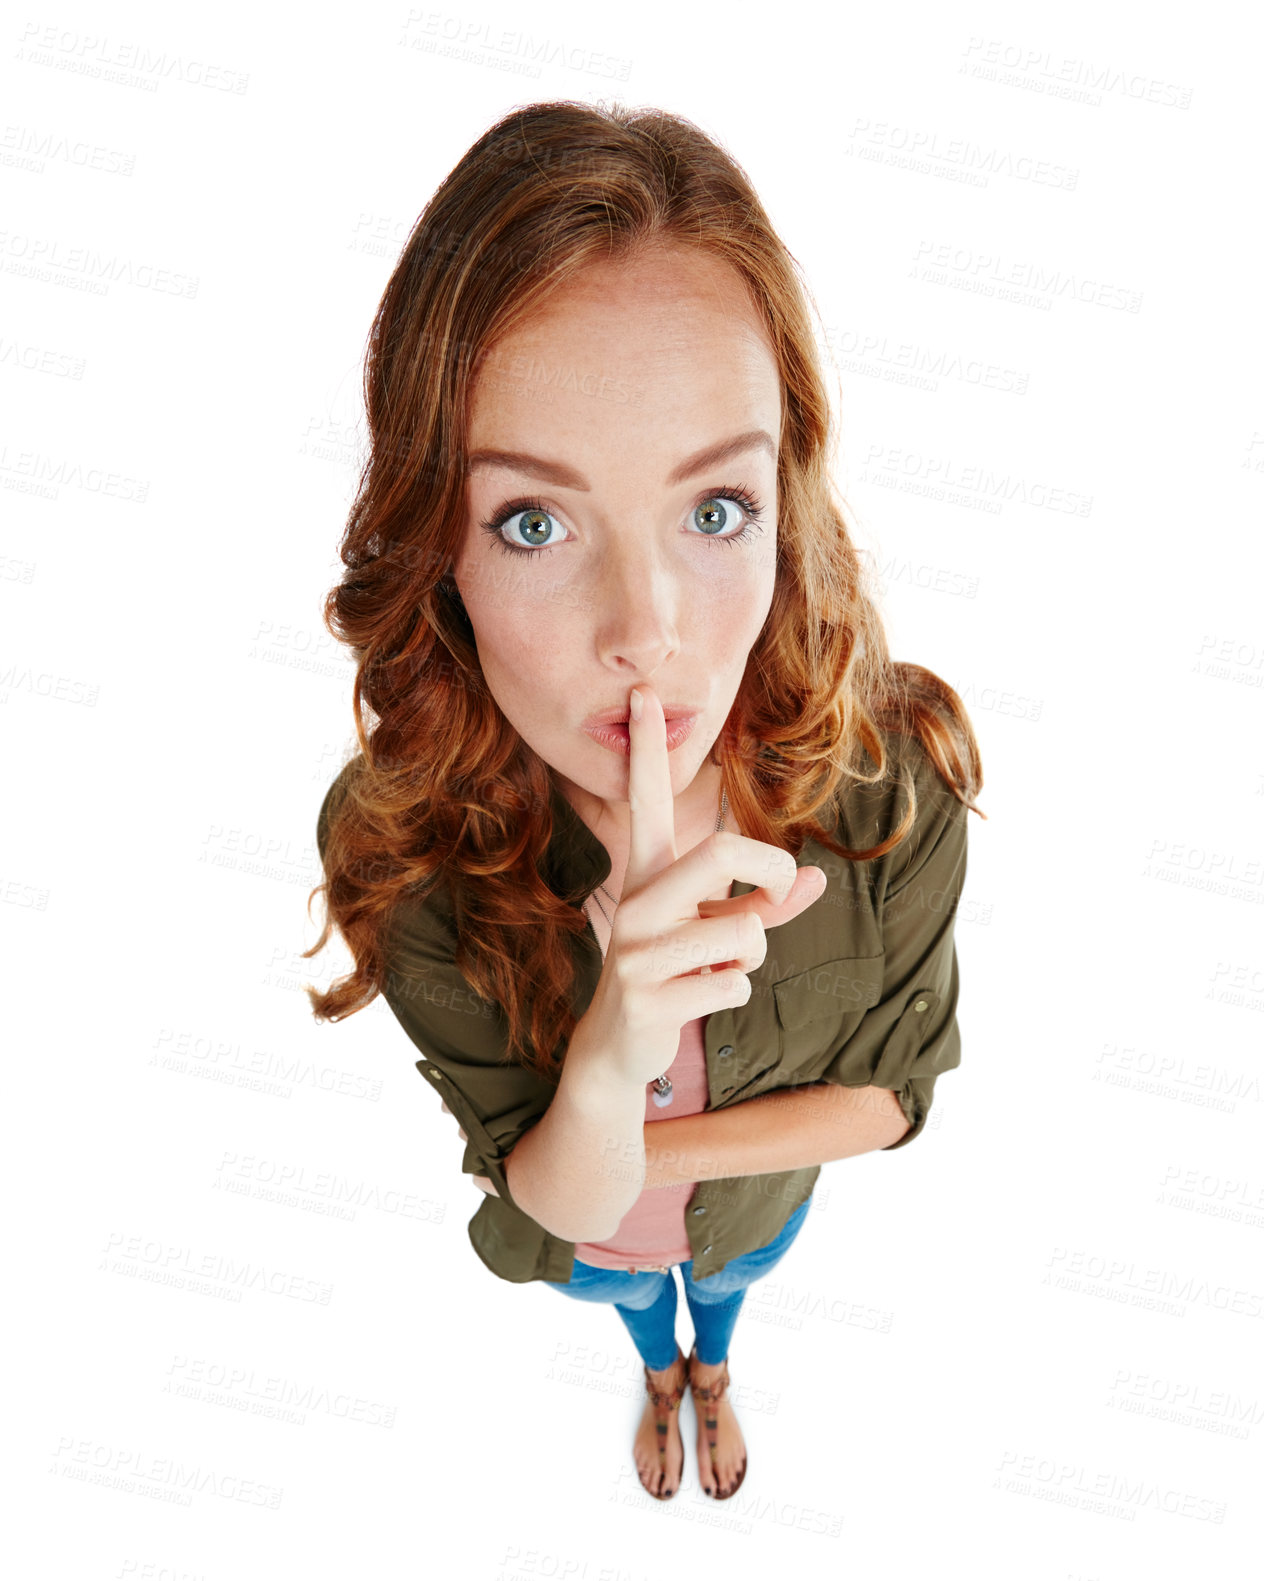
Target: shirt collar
(576,861)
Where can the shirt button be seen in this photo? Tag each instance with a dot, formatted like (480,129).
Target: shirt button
(723,1053)
(705,1250)
(920,1005)
(698,1211)
(437,1074)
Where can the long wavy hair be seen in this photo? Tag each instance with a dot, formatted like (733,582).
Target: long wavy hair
(444,791)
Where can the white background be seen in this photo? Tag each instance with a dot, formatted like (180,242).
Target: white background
(1029,1343)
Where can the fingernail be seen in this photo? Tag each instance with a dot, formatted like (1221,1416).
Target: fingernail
(634,703)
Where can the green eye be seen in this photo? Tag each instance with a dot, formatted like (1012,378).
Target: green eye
(537,522)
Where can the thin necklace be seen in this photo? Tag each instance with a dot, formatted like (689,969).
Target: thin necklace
(662,1087)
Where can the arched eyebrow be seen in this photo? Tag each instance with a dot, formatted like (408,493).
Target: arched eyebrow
(564,477)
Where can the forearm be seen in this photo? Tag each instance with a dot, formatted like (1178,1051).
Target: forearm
(787,1129)
(561,1172)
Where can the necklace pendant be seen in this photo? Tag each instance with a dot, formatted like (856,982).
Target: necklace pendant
(662,1093)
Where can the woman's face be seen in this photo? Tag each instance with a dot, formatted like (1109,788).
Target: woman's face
(622,554)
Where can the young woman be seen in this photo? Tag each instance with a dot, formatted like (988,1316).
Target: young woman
(651,848)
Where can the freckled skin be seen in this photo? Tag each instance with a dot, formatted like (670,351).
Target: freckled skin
(631,588)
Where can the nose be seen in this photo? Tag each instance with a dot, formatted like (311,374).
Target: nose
(637,607)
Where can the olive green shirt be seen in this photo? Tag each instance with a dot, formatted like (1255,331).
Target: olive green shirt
(859,989)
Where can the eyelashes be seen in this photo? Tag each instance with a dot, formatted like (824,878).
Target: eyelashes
(751,506)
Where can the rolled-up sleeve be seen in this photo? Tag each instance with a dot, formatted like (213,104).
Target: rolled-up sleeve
(910,1035)
(463,1042)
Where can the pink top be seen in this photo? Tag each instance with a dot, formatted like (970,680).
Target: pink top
(651,1233)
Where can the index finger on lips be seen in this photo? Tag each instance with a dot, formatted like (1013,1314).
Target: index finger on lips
(651,805)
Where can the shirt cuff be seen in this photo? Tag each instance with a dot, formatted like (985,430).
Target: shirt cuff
(915,1100)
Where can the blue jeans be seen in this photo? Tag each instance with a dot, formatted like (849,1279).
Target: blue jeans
(647,1301)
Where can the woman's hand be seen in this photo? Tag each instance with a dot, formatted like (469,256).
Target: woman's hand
(481,1181)
(667,963)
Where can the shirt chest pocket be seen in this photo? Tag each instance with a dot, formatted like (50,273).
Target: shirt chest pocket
(820,1008)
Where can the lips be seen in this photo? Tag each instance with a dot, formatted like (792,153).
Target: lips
(619,716)
(616,734)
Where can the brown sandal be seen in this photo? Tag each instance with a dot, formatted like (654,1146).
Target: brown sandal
(710,1394)
(665,1402)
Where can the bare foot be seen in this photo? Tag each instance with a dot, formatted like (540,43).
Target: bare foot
(717,1425)
(661,1474)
